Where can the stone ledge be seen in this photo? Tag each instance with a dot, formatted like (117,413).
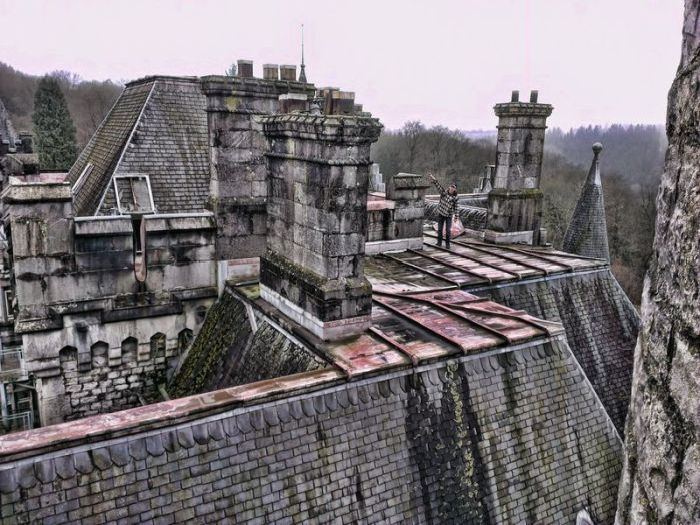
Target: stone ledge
(524,237)
(98,442)
(326,330)
(396,245)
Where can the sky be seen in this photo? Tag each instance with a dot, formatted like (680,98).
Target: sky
(442,62)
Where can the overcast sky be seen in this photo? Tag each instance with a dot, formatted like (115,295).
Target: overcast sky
(438,61)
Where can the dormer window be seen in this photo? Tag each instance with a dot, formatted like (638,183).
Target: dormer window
(133,194)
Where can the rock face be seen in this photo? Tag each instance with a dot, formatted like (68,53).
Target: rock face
(661,476)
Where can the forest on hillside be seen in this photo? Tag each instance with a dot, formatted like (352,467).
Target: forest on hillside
(631,165)
(88,101)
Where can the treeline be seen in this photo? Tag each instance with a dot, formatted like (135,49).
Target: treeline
(88,101)
(449,154)
(634,152)
(629,192)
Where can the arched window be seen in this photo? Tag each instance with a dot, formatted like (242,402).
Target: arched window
(129,348)
(98,353)
(184,340)
(158,348)
(67,354)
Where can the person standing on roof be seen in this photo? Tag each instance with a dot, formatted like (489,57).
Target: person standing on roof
(446,209)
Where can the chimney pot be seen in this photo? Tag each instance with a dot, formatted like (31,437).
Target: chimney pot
(288,72)
(515,96)
(271,72)
(533,96)
(245,68)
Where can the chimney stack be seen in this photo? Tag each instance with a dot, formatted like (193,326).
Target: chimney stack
(245,68)
(515,202)
(318,173)
(271,72)
(288,72)
(27,142)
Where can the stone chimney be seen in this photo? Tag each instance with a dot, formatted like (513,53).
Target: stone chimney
(27,142)
(238,184)
(271,72)
(288,72)
(515,202)
(245,68)
(318,171)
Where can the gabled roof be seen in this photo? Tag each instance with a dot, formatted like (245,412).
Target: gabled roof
(158,127)
(587,233)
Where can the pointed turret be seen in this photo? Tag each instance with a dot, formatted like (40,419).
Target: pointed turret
(302,72)
(587,233)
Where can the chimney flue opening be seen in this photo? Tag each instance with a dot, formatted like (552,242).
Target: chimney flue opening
(245,68)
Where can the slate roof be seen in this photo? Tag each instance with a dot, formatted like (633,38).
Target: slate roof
(158,127)
(579,292)
(587,233)
(105,148)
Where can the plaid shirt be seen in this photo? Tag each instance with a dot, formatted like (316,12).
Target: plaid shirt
(448,203)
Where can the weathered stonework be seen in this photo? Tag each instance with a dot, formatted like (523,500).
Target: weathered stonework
(77,292)
(515,202)
(318,169)
(238,184)
(661,476)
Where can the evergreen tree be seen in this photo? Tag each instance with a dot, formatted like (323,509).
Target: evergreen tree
(54,132)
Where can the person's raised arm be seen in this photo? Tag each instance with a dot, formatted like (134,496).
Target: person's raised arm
(435,181)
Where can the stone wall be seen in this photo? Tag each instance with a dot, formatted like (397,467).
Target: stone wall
(110,380)
(601,328)
(661,478)
(87,283)
(515,437)
(318,171)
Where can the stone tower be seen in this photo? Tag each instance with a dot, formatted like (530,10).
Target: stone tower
(587,233)
(515,202)
(661,476)
(318,172)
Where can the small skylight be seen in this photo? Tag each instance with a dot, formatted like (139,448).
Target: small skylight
(133,194)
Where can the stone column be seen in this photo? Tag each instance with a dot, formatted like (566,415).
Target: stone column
(515,202)
(318,169)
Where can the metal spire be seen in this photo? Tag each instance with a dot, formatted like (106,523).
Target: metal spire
(302,72)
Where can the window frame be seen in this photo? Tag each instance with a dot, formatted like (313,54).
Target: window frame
(133,176)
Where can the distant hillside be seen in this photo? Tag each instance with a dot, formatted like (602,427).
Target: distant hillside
(635,152)
(88,101)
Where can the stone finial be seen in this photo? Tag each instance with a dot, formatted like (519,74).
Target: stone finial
(515,96)
(533,96)
(587,233)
